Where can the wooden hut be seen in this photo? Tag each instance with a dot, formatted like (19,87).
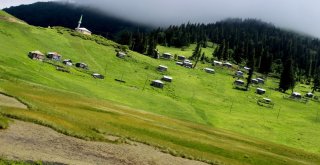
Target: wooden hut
(209,70)
(162,68)
(179,63)
(296,95)
(239,83)
(260,80)
(81,65)
(217,63)
(36,55)
(227,64)
(167,78)
(97,76)
(181,58)
(309,95)
(67,62)
(157,83)
(121,55)
(260,91)
(54,56)
(167,56)
(239,73)
(254,81)
(187,63)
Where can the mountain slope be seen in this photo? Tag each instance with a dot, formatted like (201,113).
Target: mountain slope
(67,15)
(191,117)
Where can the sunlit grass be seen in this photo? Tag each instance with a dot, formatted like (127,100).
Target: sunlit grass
(198,115)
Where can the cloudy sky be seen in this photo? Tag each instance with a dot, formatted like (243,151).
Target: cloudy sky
(299,15)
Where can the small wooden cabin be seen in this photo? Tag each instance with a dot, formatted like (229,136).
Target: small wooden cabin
(67,62)
(227,64)
(179,63)
(296,95)
(167,56)
(187,63)
(157,84)
(81,65)
(260,91)
(209,70)
(162,68)
(217,63)
(121,55)
(97,76)
(309,95)
(167,78)
(246,68)
(36,55)
(254,81)
(260,80)
(239,83)
(181,58)
(239,73)
(54,56)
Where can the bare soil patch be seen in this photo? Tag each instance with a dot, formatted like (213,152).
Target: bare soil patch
(11,102)
(28,141)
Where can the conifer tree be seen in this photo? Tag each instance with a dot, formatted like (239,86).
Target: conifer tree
(251,65)
(197,54)
(287,80)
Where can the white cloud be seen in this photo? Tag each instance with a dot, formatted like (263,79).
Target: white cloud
(300,15)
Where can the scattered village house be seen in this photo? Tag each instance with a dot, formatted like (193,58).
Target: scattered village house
(181,58)
(82,29)
(121,54)
(67,62)
(98,76)
(254,81)
(167,56)
(260,91)
(309,95)
(260,80)
(162,68)
(217,63)
(157,83)
(36,55)
(81,65)
(296,95)
(179,63)
(239,82)
(187,63)
(167,78)
(246,68)
(209,70)
(54,56)
(227,64)
(239,73)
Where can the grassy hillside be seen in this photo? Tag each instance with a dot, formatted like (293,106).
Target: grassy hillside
(198,115)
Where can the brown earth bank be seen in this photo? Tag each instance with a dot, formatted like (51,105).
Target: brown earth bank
(32,142)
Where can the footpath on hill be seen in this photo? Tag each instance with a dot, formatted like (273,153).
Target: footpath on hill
(32,142)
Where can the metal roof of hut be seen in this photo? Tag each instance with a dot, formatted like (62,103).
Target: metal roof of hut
(37,52)
(162,66)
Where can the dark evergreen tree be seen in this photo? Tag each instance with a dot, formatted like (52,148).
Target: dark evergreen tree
(196,54)
(251,65)
(316,81)
(287,80)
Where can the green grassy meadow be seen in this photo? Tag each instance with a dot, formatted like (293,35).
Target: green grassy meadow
(198,116)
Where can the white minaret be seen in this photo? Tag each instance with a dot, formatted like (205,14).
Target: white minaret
(80,21)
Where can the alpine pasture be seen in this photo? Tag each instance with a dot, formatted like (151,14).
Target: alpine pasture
(197,116)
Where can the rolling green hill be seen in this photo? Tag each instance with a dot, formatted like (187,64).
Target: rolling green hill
(197,116)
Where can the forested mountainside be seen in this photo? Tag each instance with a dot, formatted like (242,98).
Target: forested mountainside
(67,15)
(240,39)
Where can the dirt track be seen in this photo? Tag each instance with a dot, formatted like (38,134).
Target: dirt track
(28,141)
